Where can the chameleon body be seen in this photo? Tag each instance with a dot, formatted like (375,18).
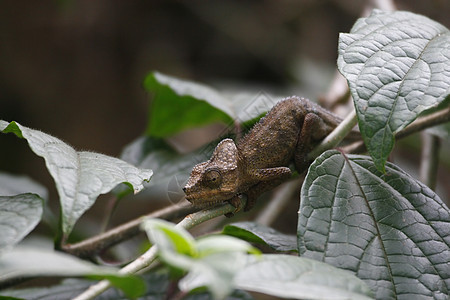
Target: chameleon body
(260,160)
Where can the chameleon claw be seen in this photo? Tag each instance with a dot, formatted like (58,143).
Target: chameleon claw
(236,202)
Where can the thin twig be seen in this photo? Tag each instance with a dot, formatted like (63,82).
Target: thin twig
(338,93)
(336,136)
(111,205)
(278,202)
(387,5)
(429,159)
(96,244)
(148,257)
(433,119)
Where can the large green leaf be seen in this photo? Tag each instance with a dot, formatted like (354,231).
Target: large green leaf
(210,262)
(31,261)
(169,238)
(257,233)
(11,185)
(295,277)
(18,216)
(181,104)
(389,229)
(398,66)
(80,177)
(171,169)
(67,289)
(158,284)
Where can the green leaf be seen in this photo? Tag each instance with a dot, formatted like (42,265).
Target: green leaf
(29,262)
(389,229)
(250,107)
(221,244)
(180,104)
(168,237)
(216,272)
(236,295)
(80,177)
(295,277)
(211,262)
(157,288)
(11,185)
(67,289)
(132,286)
(398,66)
(18,216)
(157,284)
(171,168)
(194,105)
(257,233)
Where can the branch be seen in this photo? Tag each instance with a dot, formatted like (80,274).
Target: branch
(278,202)
(433,119)
(429,161)
(335,137)
(148,257)
(436,118)
(96,244)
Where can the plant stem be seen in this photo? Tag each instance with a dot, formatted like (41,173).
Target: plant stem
(338,92)
(95,244)
(429,159)
(433,119)
(150,255)
(278,202)
(110,206)
(336,136)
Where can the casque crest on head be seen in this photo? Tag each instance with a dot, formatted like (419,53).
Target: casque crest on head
(225,155)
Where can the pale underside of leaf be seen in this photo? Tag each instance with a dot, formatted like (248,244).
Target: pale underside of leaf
(80,177)
(390,230)
(18,216)
(398,66)
(29,261)
(11,184)
(300,278)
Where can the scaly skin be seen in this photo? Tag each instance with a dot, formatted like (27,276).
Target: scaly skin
(260,160)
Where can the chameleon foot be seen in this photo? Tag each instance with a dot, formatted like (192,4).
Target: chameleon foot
(236,202)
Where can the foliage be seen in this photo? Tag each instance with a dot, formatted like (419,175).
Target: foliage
(392,79)
(375,225)
(80,177)
(366,229)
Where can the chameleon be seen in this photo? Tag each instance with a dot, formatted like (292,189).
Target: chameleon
(259,161)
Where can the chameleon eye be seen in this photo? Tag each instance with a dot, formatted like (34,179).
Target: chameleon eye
(213,178)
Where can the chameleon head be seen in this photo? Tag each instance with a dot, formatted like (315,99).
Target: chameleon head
(215,180)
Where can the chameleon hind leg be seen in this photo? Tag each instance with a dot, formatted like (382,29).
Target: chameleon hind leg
(313,130)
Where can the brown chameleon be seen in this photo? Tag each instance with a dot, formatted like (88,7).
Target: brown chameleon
(259,161)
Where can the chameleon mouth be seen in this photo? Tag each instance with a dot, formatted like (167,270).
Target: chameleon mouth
(207,202)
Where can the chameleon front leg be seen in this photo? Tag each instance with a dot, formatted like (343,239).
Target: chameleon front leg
(313,130)
(263,180)
(236,202)
(266,179)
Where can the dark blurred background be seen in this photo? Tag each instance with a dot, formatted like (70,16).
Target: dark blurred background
(74,69)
